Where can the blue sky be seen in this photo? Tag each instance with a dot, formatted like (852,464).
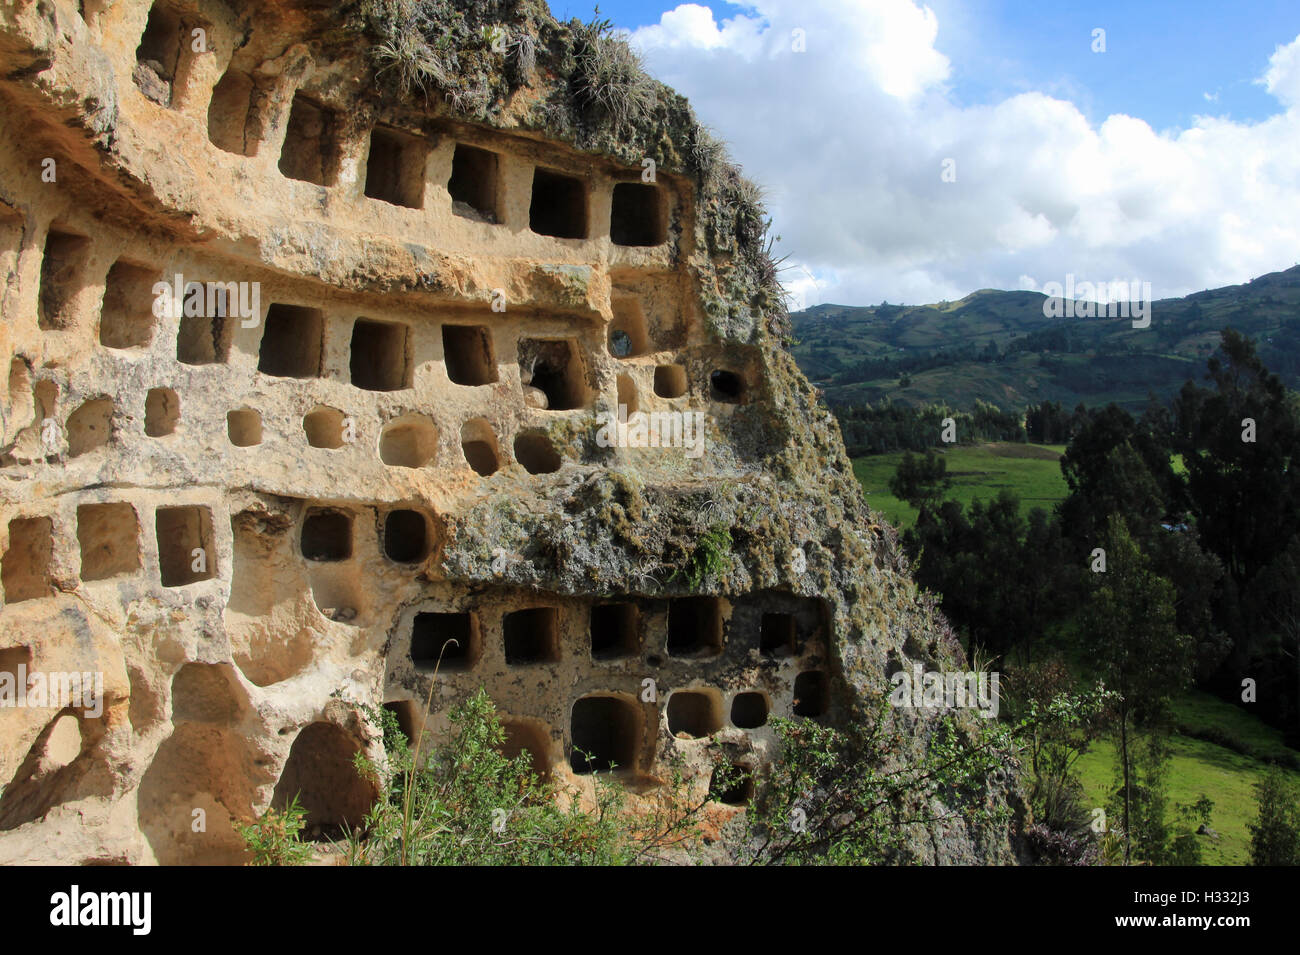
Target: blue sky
(1164,56)
(1170,157)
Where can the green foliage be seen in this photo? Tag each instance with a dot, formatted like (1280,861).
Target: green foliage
(1197,767)
(1111,471)
(1047,423)
(1061,724)
(855,796)
(1205,585)
(1244,497)
(708,155)
(274,839)
(920,481)
(465,803)
(1001,577)
(892,426)
(1275,833)
(1148,834)
(1185,847)
(711,557)
(1228,478)
(1129,624)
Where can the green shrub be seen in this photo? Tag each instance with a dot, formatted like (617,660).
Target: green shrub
(855,796)
(1275,833)
(274,838)
(465,803)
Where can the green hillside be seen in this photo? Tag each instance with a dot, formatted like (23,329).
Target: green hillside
(1031,471)
(1216,749)
(1000,347)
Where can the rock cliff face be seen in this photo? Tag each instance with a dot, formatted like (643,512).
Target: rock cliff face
(315,320)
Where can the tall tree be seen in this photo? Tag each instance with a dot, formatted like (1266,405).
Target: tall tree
(1129,626)
(920,481)
(1108,467)
(1237,443)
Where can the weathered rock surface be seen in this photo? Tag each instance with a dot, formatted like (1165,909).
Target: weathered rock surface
(251,524)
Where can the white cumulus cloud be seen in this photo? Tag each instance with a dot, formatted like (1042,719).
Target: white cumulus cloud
(844,112)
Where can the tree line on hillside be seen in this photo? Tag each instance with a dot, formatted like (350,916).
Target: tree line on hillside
(824,362)
(883,427)
(1158,576)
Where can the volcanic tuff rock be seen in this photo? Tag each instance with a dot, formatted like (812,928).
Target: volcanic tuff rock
(255,513)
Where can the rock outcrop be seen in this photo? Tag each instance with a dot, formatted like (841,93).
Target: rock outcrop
(315,323)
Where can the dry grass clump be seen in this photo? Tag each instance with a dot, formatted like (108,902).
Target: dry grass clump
(611,80)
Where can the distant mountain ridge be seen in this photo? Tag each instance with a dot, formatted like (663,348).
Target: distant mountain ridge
(998,346)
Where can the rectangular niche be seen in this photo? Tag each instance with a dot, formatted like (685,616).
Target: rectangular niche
(530,738)
(605,733)
(326,535)
(406,536)
(628,335)
(474,183)
(533,449)
(158,56)
(467,354)
(380,358)
(810,694)
(109,535)
(694,714)
(310,150)
(395,168)
(63,276)
(186,546)
(478,442)
(532,636)
(231,114)
(244,427)
(205,326)
(11,658)
(559,205)
(453,635)
(726,386)
(262,576)
(25,567)
(162,412)
(670,381)
(749,709)
(615,631)
(782,622)
(695,627)
(555,368)
(90,426)
(637,215)
(293,342)
(778,635)
(126,316)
